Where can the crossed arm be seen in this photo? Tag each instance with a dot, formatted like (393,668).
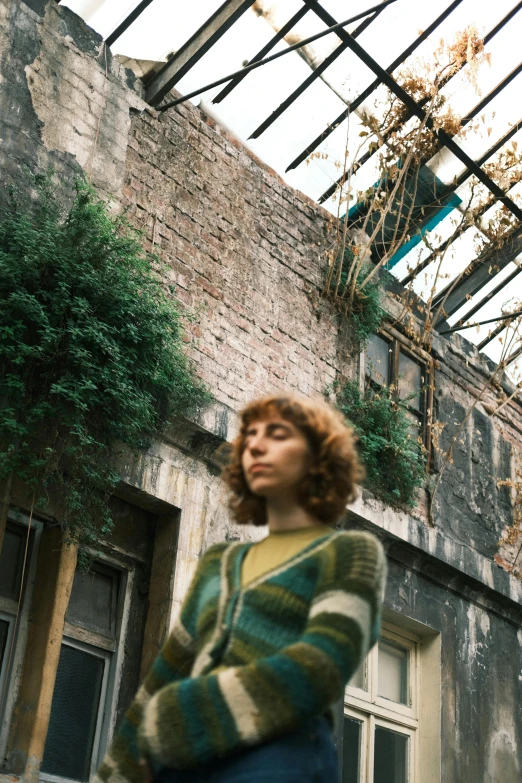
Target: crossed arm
(191,721)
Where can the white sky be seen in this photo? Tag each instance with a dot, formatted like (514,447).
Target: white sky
(163,28)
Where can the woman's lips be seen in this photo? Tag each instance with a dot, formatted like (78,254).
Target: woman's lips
(258,467)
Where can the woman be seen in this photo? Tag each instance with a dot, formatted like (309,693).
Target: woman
(269,633)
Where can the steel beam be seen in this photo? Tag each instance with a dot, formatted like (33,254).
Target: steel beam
(247,68)
(479,274)
(316,73)
(194,49)
(127,22)
(480,304)
(481,323)
(473,113)
(495,333)
(485,207)
(444,138)
(367,155)
(451,189)
(373,86)
(286,28)
(511,358)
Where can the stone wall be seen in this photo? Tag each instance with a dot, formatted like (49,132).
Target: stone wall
(64,101)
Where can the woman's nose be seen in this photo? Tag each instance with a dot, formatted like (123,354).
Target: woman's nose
(257,446)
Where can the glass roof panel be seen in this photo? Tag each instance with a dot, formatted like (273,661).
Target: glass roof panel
(444,270)
(493,306)
(162,28)
(443,230)
(501,117)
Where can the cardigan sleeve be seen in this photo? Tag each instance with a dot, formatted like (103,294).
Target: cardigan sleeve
(173,664)
(192,722)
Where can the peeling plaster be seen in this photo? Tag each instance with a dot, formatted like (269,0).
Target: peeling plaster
(478,624)
(502,756)
(83,107)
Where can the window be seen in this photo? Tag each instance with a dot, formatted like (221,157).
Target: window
(85,673)
(381,713)
(382,737)
(390,360)
(11,572)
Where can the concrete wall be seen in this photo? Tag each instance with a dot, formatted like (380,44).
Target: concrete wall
(247,254)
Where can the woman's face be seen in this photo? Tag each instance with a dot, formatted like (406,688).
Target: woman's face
(276,457)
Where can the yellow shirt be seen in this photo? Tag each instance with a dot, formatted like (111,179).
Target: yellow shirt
(277,548)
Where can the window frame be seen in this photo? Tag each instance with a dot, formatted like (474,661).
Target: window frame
(367,743)
(373,710)
(108,659)
(18,612)
(4,665)
(401,344)
(110,649)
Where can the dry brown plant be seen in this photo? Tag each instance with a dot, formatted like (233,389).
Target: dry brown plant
(401,146)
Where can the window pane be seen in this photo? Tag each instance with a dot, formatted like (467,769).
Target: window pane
(393,672)
(351,750)
(93,601)
(4,630)
(415,426)
(378,360)
(358,679)
(11,561)
(390,757)
(74,712)
(410,380)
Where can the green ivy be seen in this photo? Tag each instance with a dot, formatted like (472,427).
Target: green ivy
(395,462)
(366,313)
(91,351)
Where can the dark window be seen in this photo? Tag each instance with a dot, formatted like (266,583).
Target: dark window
(11,561)
(390,756)
(378,360)
(94,601)
(74,714)
(71,748)
(389,362)
(351,750)
(4,632)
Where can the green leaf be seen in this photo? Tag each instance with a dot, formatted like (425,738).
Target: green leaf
(91,349)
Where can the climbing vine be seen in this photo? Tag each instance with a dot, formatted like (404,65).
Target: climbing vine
(91,351)
(366,311)
(376,222)
(395,462)
(373,223)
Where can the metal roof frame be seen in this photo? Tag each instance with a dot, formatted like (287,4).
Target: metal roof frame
(263,52)
(316,72)
(355,104)
(476,275)
(372,87)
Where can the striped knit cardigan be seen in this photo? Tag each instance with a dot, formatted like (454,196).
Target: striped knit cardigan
(242,666)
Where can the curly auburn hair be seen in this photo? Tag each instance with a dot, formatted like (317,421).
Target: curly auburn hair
(331,480)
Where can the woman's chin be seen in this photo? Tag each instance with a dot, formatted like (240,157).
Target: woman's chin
(264,489)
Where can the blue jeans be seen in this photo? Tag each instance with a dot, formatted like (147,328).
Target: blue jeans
(305,756)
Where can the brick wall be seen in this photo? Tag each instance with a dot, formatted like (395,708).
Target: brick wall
(245,253)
